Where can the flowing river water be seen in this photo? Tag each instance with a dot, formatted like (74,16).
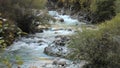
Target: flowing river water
(30,49)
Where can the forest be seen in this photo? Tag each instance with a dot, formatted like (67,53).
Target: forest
(59,33)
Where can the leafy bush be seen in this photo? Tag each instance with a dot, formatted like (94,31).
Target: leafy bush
(102,10)
(99,47)
(21,11)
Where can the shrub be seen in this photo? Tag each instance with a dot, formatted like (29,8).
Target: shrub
(99,47)
(101,10)
(21,11)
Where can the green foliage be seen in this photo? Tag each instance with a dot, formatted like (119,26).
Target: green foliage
(102,10)
(96,10)
(36,4)
(21,11)
(75,4)
(99,47)
(117,6)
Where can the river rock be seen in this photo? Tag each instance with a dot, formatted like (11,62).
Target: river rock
(59,61)
(59,19)
(40,41)
(58,47)
(61,40)
(41,28)
(60,51)
(69,29)
(56,29)
(46,50)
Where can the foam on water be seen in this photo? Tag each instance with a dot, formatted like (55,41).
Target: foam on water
(31,48)
(67,19)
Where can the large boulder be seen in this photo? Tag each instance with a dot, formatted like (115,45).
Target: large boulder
(58,47)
